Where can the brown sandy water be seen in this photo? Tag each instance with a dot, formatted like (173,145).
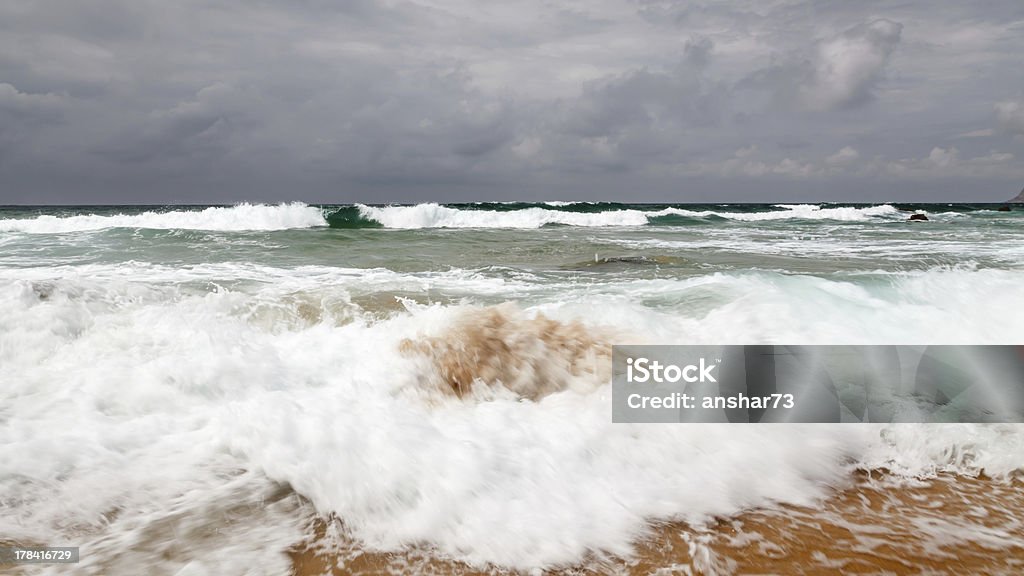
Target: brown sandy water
(947,525)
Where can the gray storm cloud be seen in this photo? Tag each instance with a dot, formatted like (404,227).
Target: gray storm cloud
(1011,117)
(846,68)
(116,101)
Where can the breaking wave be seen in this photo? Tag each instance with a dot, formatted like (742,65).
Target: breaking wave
(513,215)
(228,218)
(522,215)
(189,400)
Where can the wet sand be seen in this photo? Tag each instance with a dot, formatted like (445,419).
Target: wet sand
(947,525)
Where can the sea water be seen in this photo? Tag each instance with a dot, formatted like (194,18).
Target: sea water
(185,388)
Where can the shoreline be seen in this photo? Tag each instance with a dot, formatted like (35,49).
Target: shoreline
(947,525)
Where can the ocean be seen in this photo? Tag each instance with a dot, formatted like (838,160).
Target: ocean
(305,389)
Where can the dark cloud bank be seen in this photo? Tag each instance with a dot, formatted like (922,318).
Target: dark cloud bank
(110,101)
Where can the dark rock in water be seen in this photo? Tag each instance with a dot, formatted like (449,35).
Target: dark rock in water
(917,217)
(1003,209)
(1018,199)
(627,261)
(635,260)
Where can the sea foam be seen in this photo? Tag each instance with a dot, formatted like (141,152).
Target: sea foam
(438,216)
(141,404)
(432,215)
(237,218)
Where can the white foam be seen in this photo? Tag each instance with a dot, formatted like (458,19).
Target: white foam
(1008,247)
(155,397)
(793,211)
(922,451)
(438,216)
(239,217)
(560,203)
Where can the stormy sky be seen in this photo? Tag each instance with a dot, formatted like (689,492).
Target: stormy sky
(112,101)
